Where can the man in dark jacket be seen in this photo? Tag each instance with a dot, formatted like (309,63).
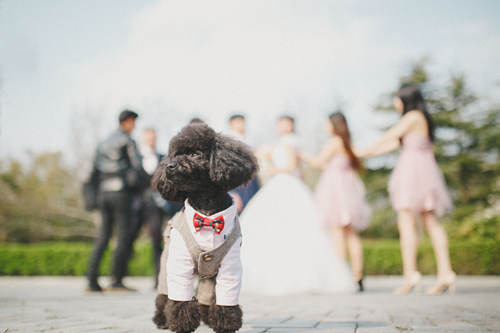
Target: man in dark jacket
(119,174)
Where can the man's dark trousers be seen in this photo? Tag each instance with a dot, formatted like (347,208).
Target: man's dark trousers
(116,209)
(147,212)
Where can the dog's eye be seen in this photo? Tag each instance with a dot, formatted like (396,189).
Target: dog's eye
(193,154)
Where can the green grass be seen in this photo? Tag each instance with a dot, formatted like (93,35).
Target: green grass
(476,257)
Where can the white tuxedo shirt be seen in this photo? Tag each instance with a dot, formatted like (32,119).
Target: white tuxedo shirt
(180,267)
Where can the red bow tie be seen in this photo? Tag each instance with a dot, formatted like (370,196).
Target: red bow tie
(216,223)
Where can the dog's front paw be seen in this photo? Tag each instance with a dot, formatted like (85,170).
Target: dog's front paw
(225,319)
(159,318)
(182,317)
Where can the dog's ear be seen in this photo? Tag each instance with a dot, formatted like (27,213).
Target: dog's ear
(232,163)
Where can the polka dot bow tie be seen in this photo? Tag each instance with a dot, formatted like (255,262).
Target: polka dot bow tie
(217,223)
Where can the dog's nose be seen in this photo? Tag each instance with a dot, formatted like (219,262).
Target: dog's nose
(172,164)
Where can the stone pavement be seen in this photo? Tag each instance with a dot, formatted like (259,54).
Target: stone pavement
(57,304)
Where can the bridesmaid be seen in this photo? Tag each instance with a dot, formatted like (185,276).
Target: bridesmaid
(340,194)
(416,188)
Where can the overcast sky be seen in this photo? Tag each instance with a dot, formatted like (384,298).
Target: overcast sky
(64,62)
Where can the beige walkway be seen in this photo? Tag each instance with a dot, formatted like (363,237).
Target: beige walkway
(57,304)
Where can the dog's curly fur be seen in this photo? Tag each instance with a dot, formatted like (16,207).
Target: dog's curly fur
(202,166)
(182,317)
(225,319)
(159,318)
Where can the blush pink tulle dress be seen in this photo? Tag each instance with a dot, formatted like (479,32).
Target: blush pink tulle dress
(416,183)
(340,195)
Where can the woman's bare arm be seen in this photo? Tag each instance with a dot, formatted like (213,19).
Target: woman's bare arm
(390,140)
(320,160)
(379,149)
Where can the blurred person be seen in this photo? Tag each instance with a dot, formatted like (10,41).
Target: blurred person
(237,127)
(118,169)
(149,207)
(416,188)
(340,194)
(243,193)
(286,249)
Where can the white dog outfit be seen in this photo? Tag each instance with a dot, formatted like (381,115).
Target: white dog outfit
(207,246)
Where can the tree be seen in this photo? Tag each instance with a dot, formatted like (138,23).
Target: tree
(41,201)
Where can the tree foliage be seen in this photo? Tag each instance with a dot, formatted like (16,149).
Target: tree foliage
(41,201)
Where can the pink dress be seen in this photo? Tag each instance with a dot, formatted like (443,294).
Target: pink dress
(340,195)
(416,183)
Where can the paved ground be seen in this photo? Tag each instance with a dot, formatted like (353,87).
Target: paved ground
(57,304)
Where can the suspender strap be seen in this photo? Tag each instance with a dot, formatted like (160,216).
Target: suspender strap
(179,223)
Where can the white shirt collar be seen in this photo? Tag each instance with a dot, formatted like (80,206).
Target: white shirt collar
(235,135)
(229,214)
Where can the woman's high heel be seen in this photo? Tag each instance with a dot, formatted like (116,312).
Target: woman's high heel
(361,288)
(409,284)
(443,285)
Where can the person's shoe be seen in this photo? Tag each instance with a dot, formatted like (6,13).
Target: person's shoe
(94,287)
(443,284)
(409,284)
(361,288)
(120,287)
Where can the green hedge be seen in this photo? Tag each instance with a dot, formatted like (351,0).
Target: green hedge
(478,257)
(381,257)
(65,258)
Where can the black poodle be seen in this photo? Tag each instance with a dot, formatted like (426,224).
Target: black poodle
(201,166)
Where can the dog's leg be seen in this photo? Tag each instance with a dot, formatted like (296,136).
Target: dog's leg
(182,316)
(204,313)
(225,319)
(159,318)
(205,296)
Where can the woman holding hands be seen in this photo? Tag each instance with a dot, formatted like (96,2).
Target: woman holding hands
(416,188)
(340,194)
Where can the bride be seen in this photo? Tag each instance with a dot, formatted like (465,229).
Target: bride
(285,250)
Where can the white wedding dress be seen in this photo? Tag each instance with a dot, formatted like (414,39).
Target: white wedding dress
(285,250)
